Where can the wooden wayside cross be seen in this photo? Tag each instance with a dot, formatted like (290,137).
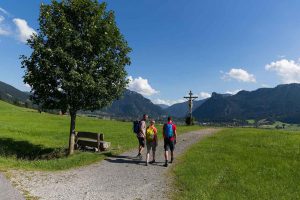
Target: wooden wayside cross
(190,99)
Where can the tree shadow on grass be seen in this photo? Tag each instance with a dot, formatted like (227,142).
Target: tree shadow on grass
(28,151)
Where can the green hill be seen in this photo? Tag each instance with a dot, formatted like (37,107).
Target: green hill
(30,140)
(37,141)
(10,94)
(281,103)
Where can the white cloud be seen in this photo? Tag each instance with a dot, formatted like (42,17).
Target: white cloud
(167,102)
(233,92)
(287,70)
(3,28)
(24,31)
(141,86)
(239,75)
(27,85)
(4,11)
(204,95)
(265,85)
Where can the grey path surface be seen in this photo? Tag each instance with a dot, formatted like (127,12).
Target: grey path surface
(7,191)
(120,177)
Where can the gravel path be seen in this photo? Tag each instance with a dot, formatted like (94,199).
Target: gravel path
(121,177)
(7,191)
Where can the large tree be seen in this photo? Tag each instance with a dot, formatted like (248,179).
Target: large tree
(78,59)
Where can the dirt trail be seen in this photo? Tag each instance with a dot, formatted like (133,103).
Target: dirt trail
(121,177)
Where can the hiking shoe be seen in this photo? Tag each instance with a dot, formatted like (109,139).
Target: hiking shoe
(139,156)
(151,162)
(146,164)
(166,164)
(172,159)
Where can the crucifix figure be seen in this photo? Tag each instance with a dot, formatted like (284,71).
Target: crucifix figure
(190,99)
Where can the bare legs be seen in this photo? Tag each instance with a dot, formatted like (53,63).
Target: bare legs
(141,148)
(148,157)
(166,157)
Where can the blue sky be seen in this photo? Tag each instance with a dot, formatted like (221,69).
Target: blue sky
(206,46)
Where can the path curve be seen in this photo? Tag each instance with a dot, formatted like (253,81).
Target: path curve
(121,177)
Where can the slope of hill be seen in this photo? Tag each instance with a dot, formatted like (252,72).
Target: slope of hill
(181,109)
(33,140)
(12,95)
(280,103)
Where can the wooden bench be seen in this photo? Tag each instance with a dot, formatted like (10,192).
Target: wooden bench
(89,139)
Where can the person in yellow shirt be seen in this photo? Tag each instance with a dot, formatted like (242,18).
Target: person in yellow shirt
(151,141)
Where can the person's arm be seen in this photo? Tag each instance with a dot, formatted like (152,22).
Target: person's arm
(175,133)
(163,131)
(155,137)
(142,126)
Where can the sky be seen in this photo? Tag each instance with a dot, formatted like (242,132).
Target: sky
(206,46)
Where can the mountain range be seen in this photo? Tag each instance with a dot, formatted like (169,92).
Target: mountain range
(281,103)
(133,105)
(180,110)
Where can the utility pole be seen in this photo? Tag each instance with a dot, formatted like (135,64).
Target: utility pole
(190,99)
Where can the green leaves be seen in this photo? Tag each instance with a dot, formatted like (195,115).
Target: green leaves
(79,57)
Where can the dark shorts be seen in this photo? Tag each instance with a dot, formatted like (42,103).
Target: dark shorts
(141,141)
(169,145)
(151,145)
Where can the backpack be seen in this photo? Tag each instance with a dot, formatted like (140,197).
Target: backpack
(168,131)
(136,127)
(150,134)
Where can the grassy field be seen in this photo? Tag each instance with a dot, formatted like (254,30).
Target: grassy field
(34,141)
(288,127)
(241,164)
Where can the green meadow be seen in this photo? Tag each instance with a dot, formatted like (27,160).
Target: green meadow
(34,141)
(241,164)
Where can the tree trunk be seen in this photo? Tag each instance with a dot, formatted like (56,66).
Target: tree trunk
(72,132)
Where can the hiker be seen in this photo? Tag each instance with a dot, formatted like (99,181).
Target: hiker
(141,135)
(151,141)
(169,134)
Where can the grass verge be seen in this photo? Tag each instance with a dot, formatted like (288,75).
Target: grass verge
(241,164)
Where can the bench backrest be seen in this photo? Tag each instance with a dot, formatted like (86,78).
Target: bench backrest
(90,135)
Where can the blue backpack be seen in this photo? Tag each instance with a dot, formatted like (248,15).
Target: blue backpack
(136,127)
(169,131)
